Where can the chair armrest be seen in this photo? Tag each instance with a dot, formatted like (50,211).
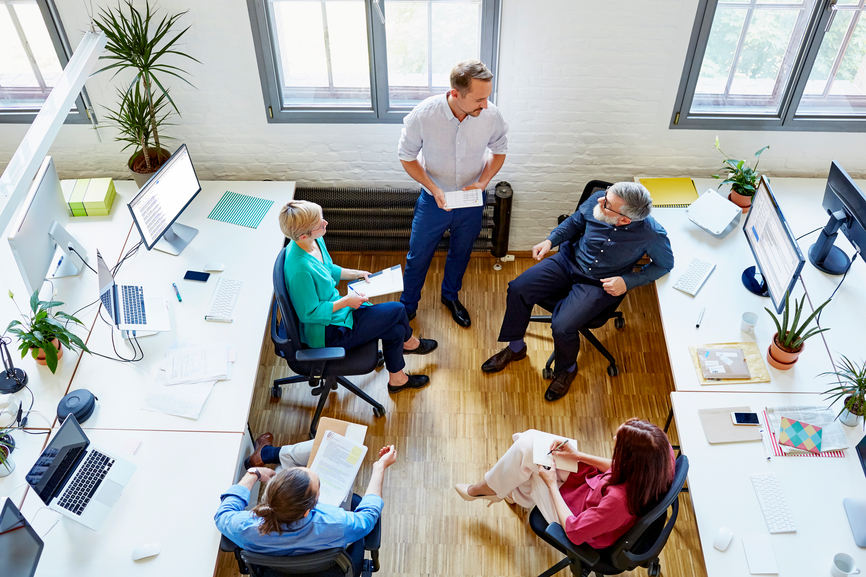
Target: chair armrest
(227,545)
(373,540)
(324,354)
(585,553)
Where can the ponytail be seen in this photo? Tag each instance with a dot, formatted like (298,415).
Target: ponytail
(287,498)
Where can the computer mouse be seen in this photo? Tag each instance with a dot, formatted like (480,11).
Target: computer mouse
(723,538)
(146,550)
(214,267)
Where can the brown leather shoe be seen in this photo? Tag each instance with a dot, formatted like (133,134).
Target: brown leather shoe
(501,359)
(560,385)
(255,460)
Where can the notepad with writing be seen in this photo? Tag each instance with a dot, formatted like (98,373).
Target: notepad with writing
(541,447)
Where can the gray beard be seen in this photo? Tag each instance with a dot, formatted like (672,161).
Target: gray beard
(599,214)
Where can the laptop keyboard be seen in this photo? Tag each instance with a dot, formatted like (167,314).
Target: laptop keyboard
(133,305)
(85,483)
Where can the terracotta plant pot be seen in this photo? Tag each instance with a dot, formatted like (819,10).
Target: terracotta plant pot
(782,359)
(40,357)
(741,200)
(136,165)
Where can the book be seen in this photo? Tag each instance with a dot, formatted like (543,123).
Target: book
(800,435)
(541,447)
(337,463)
(671,192)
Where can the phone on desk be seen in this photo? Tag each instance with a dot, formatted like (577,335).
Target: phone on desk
(745,418)
(196,275)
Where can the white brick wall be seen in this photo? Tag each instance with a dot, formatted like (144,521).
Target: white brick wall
(587,88)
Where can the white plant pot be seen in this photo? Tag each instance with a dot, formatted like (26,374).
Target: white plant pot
(848,418)
(7,467)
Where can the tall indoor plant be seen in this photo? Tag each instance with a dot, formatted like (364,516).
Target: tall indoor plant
(742,178)
(789,340)
(851,381)
(137,41)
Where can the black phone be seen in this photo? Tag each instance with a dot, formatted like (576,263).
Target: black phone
(196,275)
(745,418)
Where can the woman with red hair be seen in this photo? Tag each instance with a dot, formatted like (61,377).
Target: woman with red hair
(601,501)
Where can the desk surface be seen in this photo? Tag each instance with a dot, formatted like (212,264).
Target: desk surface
(721,490)
(28,447)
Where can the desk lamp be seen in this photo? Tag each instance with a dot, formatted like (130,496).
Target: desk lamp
(12,380)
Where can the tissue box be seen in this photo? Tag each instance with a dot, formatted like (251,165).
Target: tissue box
(89,196)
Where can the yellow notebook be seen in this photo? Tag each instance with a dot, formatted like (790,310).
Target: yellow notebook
(671,192)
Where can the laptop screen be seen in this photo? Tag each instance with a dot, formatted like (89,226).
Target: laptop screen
(861,452)
(58,460)
(20,546)
(106,281)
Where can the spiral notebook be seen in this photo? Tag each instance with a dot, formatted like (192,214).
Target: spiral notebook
(671,192)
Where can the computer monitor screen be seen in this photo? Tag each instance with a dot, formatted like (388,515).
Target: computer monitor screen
(773,245)
(20,546)
(161,201)
(846,205)
(38,238)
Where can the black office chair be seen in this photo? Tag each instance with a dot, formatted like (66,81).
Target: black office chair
(601,319)
(639,547)
(324,368)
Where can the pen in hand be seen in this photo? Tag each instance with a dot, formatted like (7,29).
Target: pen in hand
(558,447)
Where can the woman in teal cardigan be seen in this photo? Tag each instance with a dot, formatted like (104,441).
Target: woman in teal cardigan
(329,320)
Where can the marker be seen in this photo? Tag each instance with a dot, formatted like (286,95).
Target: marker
(700,317)
(177,293)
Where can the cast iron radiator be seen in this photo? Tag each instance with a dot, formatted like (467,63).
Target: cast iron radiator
(380,220)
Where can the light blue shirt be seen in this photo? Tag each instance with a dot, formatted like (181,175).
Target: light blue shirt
(454,153)
(326,527)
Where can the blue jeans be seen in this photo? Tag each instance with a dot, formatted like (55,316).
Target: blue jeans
(428,226)
(386,321)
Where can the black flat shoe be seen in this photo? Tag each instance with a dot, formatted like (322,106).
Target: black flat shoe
(414,382)
(458,312)
(411,315)
(427,346)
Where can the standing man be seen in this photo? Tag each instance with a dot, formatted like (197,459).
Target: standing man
(454,141)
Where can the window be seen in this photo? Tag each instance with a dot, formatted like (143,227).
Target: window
(34,51)
(354,61)
(775,65)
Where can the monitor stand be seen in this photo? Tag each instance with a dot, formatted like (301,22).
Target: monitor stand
(69,261)
(176,238)
(824,254)
(754,281)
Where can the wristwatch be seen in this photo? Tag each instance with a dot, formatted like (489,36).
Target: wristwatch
(255,471)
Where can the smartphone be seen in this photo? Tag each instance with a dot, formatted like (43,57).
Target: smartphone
(745,418)
(196,275)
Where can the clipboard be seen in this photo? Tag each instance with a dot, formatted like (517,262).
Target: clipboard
(351,431)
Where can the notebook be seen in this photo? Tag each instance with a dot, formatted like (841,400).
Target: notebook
(671,192)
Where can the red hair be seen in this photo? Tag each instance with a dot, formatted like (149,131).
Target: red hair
(642,461)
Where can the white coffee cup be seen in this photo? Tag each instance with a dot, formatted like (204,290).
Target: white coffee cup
(843,565)
(748,323)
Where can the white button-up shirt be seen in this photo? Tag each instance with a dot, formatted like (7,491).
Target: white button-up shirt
(454,153)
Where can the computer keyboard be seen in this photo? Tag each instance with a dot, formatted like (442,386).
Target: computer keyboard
(222,303)
(133,304)
(83,486)
(773,504)
(693,279)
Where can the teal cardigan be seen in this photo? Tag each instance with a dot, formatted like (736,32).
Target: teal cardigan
(313,289)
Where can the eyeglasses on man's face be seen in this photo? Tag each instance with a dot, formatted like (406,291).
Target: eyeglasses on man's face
(606,205)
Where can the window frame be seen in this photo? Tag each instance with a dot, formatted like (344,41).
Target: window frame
(380,112)
(786,119)
(81,114)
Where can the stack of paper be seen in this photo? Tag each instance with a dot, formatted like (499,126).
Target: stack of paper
(337,463)
(833,437)
(89,196)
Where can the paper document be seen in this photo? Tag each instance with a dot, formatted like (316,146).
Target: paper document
(197,364)
(337,463)
(383,282)
(351,431)
(183,401)
(541,447)
(759,555)
(464,198)
(833,438)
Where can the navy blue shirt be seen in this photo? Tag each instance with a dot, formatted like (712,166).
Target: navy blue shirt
(601,250)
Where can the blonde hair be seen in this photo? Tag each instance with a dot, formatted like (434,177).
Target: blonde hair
(299,217)
(288,496)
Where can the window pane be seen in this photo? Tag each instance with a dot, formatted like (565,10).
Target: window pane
(749,57)
(322,52)
(837,82)
(425,39)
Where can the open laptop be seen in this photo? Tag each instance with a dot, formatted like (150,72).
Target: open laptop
(20,545)
(127,306)
(77,479)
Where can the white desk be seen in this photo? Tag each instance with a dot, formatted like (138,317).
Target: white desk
(171,499)
(722,495)
(28,447)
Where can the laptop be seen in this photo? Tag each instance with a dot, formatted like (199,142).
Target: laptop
(20,545)
(127,305)
(77,479)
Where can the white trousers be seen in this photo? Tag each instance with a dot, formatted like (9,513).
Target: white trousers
(515,473)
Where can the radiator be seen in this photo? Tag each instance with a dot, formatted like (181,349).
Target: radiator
(380,220)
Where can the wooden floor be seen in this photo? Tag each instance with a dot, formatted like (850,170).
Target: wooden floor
(453,430)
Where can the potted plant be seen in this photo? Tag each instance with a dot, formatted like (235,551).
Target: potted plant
(788,342)
(7,445)
(852,386)
(42,333)
(743,179)
(137,41)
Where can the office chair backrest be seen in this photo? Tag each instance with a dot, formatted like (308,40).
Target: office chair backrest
(648,536)
(286,334)
(326,563)
(591,188)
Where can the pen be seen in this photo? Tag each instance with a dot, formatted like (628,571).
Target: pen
(59,262)
(767,453)
(177,293)
(558,447)
(700,317)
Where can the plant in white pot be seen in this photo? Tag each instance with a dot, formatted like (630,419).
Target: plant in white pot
(7,445)
(851,385)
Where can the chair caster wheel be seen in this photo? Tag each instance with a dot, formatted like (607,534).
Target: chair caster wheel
(619,323)
(378,412)
(276,392)
(547,373)
(380,360)
(654,570)
(613,370)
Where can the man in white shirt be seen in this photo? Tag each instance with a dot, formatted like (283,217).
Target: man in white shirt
(455,141)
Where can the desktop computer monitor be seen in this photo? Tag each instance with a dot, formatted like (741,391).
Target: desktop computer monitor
(161,201)
(39,242)
(846,205)
(774,247)
(20,546)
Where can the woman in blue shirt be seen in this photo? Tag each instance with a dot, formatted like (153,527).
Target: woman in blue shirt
(289,521)
(329,320)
